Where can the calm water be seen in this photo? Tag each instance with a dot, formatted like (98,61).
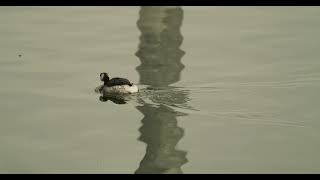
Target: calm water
(223,90)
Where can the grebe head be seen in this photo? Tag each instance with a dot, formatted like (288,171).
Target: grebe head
(104,77)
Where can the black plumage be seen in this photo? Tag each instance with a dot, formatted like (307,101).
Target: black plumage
(114,81)
(117,82)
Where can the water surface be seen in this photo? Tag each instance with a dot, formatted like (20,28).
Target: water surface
(223,90)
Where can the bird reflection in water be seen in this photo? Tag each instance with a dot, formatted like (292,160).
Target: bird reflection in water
(160,56)
(114,99)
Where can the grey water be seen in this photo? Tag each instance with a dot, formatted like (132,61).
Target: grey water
(222,90)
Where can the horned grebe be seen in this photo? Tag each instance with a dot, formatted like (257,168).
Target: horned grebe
(115,85)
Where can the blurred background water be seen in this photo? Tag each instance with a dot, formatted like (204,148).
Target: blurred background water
(223,90)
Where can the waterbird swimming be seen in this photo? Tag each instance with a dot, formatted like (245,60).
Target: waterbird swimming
(115,85)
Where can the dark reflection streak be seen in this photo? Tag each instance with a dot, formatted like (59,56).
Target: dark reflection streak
(159,48)
(160,55)
(114,99)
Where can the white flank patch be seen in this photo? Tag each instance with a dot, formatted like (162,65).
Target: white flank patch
(123,89)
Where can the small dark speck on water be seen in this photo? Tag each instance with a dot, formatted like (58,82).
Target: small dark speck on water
(20,55)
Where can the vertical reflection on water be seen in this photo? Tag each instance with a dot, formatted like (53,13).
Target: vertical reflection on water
(159,48)
(160,56)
